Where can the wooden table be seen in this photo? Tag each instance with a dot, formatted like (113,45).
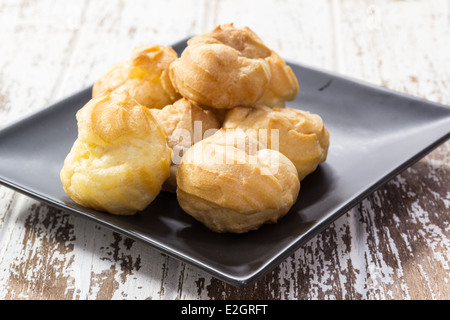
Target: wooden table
(393,245)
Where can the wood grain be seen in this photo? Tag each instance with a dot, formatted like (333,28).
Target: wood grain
(393,245)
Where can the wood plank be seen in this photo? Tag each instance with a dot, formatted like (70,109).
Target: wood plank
(39,40)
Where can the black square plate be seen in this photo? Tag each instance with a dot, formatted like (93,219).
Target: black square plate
(375,134)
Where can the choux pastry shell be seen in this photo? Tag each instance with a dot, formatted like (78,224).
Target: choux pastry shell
(184,124)
(223,68)
(119,160)
(230,184)
(301,136)
(145,77)
(229,67)
(283,85)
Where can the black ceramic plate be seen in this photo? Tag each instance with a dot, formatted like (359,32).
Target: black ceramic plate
(375,134)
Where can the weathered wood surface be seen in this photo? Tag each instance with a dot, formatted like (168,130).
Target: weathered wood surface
(393,245)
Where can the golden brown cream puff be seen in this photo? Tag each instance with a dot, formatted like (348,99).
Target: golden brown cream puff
(229,67)
(283,85)
(230,184)
(120,159)
(299,135)
(184,123)
(223,68)
(145,77)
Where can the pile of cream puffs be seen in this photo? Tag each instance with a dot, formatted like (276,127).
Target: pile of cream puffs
(210,125)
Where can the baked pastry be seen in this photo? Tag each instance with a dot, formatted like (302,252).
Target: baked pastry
(229,67)
(223,68)
(184,123)
(283,85)
(301,136)
(145,77)
(230,184)
(119,160)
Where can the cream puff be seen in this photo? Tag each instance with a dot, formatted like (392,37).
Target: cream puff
(120,159)
(283,85)
(231,184)
(184,124)
(299,135)
(145,77)
(229,67)
(223,68)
